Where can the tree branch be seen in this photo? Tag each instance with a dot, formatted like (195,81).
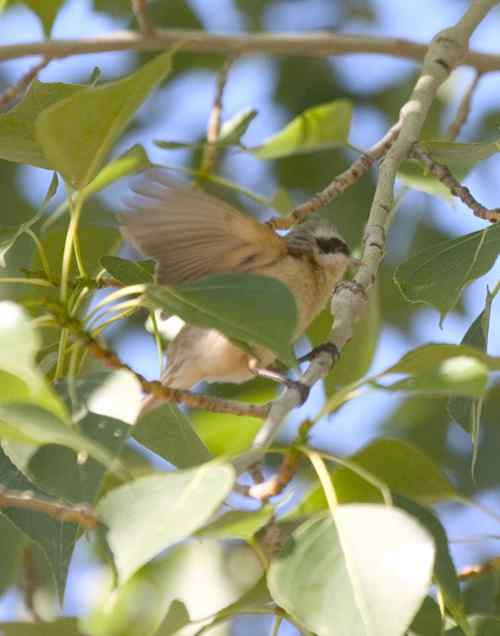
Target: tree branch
(315,44)
(26,500)
(463,110)
(446,51)
(140,9)
(13,92)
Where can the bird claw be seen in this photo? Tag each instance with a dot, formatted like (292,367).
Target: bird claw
(327,347)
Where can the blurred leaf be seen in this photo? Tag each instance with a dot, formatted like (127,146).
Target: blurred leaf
(465,411)
(11,548)
(425,359)
(166,431)
(10,234)
(177,617)
(128,272)
(318,128)
(210,302)
(205,576)
(444,571)
(59,627)
(428,621)
(479,626)
(55,538)
(18,141)
(460,157)
(403,468)
(150,514)
(233,129)
(35,425)
(46,10)
(77,133)
(482,594)
(135,159)
(281,202)
(438,275)
(324,575)
(237,524)
(226,434)
(19,343)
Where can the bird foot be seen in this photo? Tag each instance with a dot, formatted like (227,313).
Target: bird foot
(328,347)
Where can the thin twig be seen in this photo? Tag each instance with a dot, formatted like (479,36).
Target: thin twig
(214,121)
(158,390)
(446,51)
(29,583)
(15,91)
(274,486)
(313,44)
(141,12)
(463,110)
(480,569)
(443,174)
(340,183)
(81,514)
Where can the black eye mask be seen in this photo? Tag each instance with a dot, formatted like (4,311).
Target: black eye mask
(333,246)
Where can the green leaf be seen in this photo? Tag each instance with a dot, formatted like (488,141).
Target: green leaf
(11,548)
(438,275)
(233,304)
(55,538)
(35,425)
(59,627)
(225,434)
(232,130)
(47,12)
(428,621)
(77,133)
(10,234)
(479,626)
(166,431)
(18,141)
(128,272)
(318,128)
(237,524)
(148,515)
(426,358)
(466,411)
(444,570)
(282,202)
(324,576)
(134,160)
(403,468)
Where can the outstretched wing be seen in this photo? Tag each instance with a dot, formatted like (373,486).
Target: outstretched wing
(192,234)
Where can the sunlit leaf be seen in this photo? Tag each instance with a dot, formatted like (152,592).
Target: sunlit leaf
(438,275)
(232,130)
(324,576)
(257,310)
(237,524)
(148,515)
(168,432)
(77,133)
(318,128)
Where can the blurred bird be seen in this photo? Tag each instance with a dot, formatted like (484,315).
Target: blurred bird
(191,234)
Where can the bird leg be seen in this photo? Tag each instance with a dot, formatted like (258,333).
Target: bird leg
(301,388)
(327,347)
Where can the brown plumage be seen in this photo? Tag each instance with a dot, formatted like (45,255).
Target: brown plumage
(191,234)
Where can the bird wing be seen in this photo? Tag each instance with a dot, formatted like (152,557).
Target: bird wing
(192,234)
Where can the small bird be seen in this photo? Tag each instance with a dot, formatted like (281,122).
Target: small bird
(191,234)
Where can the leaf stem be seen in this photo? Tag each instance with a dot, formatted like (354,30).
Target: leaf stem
(42,255)
(71,238)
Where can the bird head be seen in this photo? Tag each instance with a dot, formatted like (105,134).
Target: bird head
(321,240)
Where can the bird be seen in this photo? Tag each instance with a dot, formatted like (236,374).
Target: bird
(191,234)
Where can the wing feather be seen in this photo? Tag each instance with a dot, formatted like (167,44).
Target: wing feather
(192,234)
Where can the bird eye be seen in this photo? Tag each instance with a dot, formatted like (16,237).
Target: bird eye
(333,245)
